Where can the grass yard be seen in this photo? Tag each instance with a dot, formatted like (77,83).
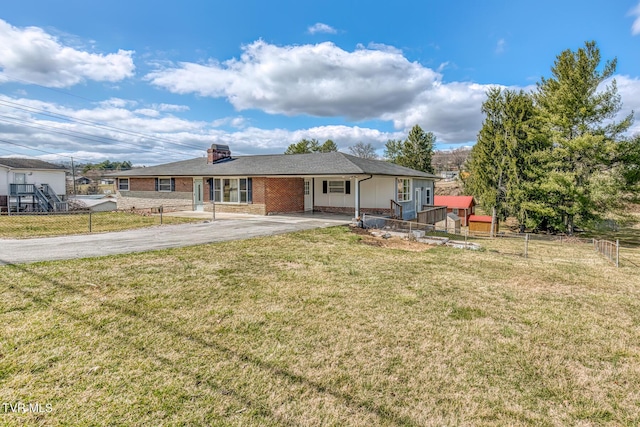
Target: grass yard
(318,328)
(25,226)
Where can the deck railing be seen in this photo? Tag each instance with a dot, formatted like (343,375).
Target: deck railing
(432,214)
(396,209)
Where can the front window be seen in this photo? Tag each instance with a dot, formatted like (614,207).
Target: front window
(336,187)
(427,196)
(404,190)
(123,184)
(307,188)
(164,184)
(232,190)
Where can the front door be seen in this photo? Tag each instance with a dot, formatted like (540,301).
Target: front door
(19,178)
(198,194)
(418,200)
(308,195)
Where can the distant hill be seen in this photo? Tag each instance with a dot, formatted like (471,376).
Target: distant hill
(448,188)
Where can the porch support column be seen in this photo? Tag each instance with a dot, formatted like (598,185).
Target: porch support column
(357,204)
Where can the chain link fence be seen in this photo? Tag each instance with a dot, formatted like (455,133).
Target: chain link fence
(541,246)
(43,224)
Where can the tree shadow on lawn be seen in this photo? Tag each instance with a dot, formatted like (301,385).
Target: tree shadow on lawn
(383,412)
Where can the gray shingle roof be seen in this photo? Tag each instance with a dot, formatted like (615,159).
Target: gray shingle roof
(16,163)
(335,163)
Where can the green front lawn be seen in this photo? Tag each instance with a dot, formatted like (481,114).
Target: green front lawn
(317,328)
(25,226)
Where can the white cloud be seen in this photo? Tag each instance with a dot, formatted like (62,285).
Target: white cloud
(171,107)
(149,136)
(451,111)
(320,80)
(32,55)
(319,27)
(629,90)
(635,27)
(501,46)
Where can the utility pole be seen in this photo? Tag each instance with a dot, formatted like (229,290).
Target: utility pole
(73,173)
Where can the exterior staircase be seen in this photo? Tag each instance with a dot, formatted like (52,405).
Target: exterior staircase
(40,198)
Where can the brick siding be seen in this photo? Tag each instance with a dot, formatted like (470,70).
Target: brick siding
(284,195)
(182,184)
(269,195)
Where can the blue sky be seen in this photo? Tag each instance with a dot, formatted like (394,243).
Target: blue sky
(153,82)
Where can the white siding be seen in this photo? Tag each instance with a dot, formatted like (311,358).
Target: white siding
(55,178)
(4,185)
(332,199)
(377,192)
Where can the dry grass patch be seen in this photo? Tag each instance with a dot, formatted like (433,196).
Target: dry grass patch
(315,328)
(26,226)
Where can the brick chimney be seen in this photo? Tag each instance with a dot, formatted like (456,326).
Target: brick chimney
(217,152)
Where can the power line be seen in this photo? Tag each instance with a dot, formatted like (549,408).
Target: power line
(42,151)
(77,134)
(40,111)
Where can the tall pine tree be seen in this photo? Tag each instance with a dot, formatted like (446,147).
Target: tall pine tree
(580,180)
(500,163)
(414,152)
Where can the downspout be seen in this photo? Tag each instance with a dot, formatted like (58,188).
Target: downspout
(358,196)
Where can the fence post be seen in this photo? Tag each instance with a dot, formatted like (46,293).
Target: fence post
(526,245)
(617,253)
(161,211)
(90,222)
(465,238)
(213,209)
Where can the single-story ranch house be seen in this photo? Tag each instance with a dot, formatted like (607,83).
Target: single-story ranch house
(267,184)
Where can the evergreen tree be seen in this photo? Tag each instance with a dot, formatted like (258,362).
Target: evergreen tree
(414,152)
(581,174)
(500,163)
(328,147)
(305,146)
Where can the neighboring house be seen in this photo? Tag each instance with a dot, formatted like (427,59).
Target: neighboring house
(95,203)
(31,185)
(83,180)
(266,184)
(463,206)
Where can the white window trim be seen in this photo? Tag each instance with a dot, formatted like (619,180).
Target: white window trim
(239,202)
(160,185)
(339,187)
(121,181)
(408,190)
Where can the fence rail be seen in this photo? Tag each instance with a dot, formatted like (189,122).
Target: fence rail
(609,249)
(42,224)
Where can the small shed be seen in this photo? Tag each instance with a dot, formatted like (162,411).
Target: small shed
(451,224)
(463,206)
(482,224)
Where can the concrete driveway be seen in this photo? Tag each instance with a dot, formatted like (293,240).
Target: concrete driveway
(224,228)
